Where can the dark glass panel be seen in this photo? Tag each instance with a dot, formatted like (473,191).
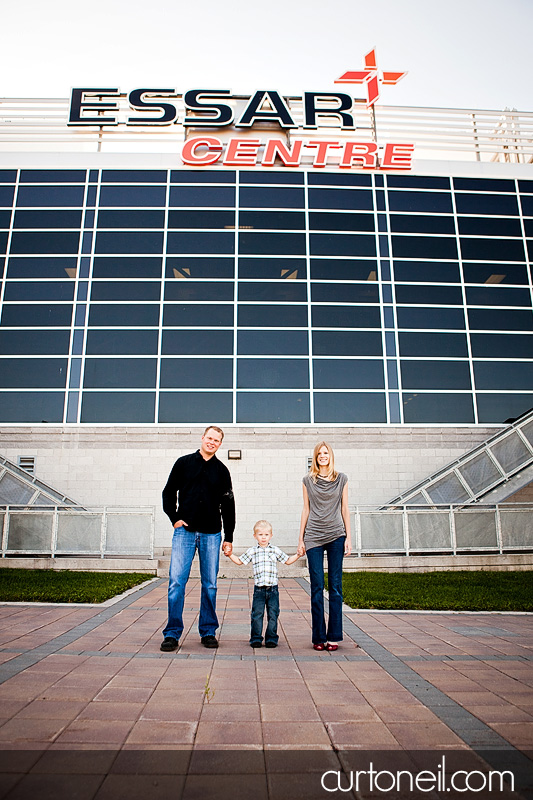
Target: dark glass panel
(201,219)
(493,249)
(52,176)
(120,242)
(31,406)
(134,176)
(483,185)
(417,182)
(489,226)
(132,196)
(427,271)
(33,373)
(127,315)
(526,186)
(201,242)
(125,290)
(131,219)
(283,292)
(127,267)
(342,269)
(196,373)
(485,319)
(275,343)
(330,221)
(429,202)
(504,375)
(206,196)
(34,342)
(526,203)
(36,316)
(345,292)
(197,343)
(195,407)
(120,373)
(270,197)
(203,176)
(433,344)
(428,295)
(439,408)
(341,199)
(10,175)
(348,374)
(5,219)
(39,290)
(6,196)
(497,296)
(272,220)
(198,316)
(118,407)
(324,244)
(272,373)
(257,407)
(438,247)
(62,218)
(44,242)
(270,177)
(196,290)
(200,268)
(272,243)
(447,318)
(494,345)
(498,204)
(338,179)
(119,342)
(502,407)
(256,316)
(346,317)
(435,374)
(350,407)
(420,223)
(49,196)
(273,268)
(528,226)
(495,273)
(347,343)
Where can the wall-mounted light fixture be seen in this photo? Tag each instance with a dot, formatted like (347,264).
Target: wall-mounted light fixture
(234,455)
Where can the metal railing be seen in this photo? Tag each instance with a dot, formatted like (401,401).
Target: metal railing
(66,531)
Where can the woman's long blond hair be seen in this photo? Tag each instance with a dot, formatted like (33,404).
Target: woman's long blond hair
(315,469)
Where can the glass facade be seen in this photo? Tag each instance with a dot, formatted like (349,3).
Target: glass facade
(184,296)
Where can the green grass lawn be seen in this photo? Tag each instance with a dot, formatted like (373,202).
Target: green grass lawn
(449,590)
(64,586)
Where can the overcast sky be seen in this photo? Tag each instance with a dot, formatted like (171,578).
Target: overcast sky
(458,53)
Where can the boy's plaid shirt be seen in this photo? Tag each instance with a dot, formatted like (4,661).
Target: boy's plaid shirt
(264,561)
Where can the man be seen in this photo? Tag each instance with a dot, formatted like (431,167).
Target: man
(201,484)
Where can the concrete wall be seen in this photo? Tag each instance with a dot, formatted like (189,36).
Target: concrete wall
(128,466)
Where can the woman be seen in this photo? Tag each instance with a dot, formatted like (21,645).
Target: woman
(325,528)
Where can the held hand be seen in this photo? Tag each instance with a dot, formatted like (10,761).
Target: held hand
(180,523)
(227,548)
(301,549)
(347,547)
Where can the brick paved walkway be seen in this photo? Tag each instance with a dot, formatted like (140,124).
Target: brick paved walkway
(74,678)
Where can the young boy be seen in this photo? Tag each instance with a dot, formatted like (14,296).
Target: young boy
(264,557)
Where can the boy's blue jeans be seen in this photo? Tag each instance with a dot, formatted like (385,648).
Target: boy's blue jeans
(315,560)
(265,597)
(184,545)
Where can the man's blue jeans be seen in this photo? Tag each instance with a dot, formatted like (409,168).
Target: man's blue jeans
(315,559)
(184,545)
(265,596)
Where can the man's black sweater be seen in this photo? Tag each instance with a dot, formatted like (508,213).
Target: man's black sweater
(204,495)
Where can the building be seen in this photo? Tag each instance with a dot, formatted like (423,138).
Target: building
(375,291)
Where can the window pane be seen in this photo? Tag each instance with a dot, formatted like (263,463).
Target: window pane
(350,407)
(497,204)
(495,345)
(195,406)
(52,196)
(5,219)
(435,375)
(484,184)
(38,290)
(199,373)
(341,199)
(127,315)
(131,219)
(340,222)
(118,407)
(270,197)
(426,295)
(417,223)
(343,269)
(6,196)
(433,344)
(284,292)
(118,342)
(180,268)
(197,343)
(323,244)
(117,242)
(271,177)
(134,176)
(447,318)
(338,179)
(205,176)
(348,374)
(496,296)
(493,249)
(272,220)
(127,267)
(427,271)
(438,247)
(276,343)
(47,219)
(31,406)
(125,290)
(347,343)
(495,273)
(436,202)
(44,242)
(346,317)
(489,226)
(34,342)
(417,182)
(201,242)
(196,290)
(345,292)
(52,176)
(273,268)
(208,196)
(36,316)
(33,373)
(502,407)
(486,319)
(196,315)
(272,407)
(201,219)
(504,375)
(115,373)
(272,243)
(255,316)
(443,408)
(132,196)
(271,373)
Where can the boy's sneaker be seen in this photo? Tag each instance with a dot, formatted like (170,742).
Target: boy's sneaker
(256,644)
(209,641)
(271,644)
(169,644)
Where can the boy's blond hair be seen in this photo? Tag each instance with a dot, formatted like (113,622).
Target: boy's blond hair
(263,524)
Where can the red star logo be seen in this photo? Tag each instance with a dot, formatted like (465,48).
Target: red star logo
(371,78)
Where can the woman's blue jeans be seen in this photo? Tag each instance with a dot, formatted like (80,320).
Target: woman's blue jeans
(185,543)
(315,559)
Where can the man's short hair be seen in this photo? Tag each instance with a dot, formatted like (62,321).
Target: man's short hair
(214,428)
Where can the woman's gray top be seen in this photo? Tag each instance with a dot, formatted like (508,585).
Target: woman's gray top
(325,523)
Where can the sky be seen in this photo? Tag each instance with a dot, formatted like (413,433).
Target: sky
(458,53)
